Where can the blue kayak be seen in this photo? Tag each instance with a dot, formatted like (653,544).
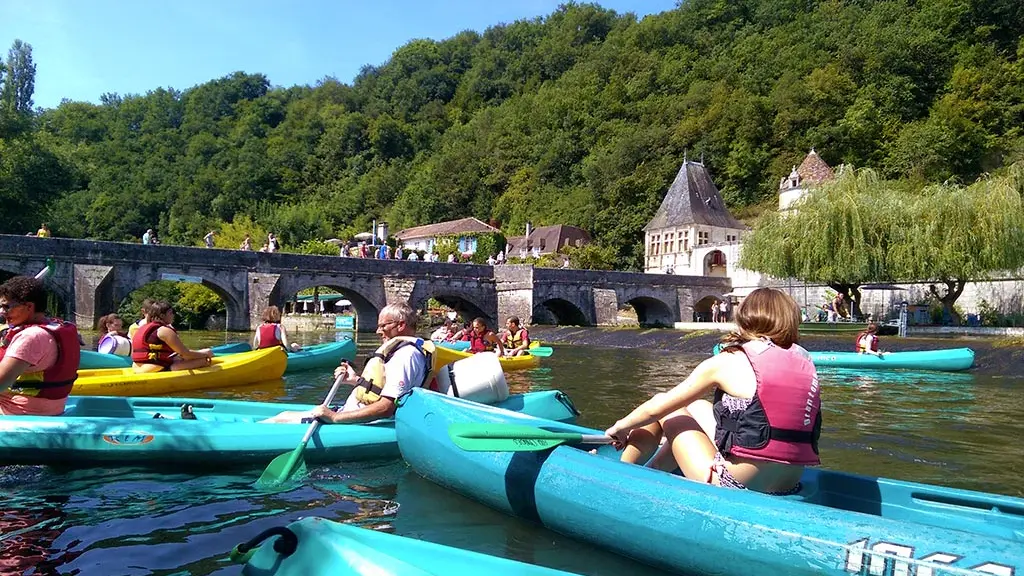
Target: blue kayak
(320,547)
(950,360)
(837,524)
(101,430)
(460,345)
(313,357)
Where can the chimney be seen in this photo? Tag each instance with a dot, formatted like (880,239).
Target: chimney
(529,229)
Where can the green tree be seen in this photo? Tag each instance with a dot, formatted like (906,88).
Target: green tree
(955,234)
(19,79)
(840,235)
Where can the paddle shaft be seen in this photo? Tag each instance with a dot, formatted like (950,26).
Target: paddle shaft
(493,437)
(316,421)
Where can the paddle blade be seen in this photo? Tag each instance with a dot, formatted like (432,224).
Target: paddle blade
(283,468)
(542,351)
(514,438)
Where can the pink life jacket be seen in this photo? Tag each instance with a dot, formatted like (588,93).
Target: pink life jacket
(782,423)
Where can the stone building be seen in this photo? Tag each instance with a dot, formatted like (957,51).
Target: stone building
(425,237)
(546,240)
(692,233)
(811,172)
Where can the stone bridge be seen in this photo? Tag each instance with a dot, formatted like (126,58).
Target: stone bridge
(92,278)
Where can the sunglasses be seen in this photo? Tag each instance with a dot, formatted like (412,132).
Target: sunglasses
(385,325)
(10,305)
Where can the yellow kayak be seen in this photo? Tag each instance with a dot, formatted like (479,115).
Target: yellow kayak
(224,371)
(508,363)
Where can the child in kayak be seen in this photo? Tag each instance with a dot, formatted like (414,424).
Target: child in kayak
(763,426)
(867,341)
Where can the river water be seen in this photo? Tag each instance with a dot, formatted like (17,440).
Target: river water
(956,429)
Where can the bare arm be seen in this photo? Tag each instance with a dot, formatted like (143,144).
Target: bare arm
(698,383)
(497,342)
(171,338)
(284,337)
(10,369)
(383,408)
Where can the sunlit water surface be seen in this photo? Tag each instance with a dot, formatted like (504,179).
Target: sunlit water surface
(954,429)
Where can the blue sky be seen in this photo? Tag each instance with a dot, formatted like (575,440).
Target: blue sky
(83,49)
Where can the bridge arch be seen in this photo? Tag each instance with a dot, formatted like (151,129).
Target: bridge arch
(366,308)
(62,297)
(561,312)
(464,304)
(702,306)
(651,311)
(234,308)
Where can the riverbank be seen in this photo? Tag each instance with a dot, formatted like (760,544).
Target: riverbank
(993,356)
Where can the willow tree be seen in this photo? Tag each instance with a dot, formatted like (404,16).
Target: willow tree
(839,235)
(958,234)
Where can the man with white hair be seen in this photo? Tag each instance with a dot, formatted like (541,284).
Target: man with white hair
(401,363)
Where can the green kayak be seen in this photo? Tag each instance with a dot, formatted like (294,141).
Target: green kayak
(320,547)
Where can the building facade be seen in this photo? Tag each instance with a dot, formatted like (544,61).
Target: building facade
(692,232)
(425,237)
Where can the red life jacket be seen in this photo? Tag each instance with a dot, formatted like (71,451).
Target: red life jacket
(148,348)
(874,342)
(268,335)
(783,421)
(479,343)
(55,382)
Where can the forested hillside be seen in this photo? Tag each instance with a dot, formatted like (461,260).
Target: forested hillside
(580,118)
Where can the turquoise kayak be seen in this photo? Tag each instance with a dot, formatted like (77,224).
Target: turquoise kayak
(460,345)
(101,430)
(950,360)
(313,357)
(837,524)
(320,547)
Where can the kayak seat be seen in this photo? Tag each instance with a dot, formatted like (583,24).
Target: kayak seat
(101,407)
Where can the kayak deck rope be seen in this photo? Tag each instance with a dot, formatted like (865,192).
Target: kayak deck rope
(285,545)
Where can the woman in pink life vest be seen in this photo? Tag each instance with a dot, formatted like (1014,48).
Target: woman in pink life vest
(762,427)
(271,333)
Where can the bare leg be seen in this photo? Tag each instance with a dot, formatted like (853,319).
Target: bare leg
(690,440)
(642,443)
(287,417)
(190,364)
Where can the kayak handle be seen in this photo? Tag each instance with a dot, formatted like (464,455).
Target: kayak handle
(285,545)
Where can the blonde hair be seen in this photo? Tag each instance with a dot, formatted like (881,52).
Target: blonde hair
(766,313)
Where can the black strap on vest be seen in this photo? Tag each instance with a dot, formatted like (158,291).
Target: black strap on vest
(451,378)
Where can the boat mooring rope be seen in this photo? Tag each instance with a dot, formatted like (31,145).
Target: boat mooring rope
(285,545)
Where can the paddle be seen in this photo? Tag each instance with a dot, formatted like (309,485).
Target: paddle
(486,437)
(46,269)
(541,351)
(284,466)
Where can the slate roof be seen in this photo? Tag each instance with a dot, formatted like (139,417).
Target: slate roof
(553,237)
(693,198)
(461,226)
